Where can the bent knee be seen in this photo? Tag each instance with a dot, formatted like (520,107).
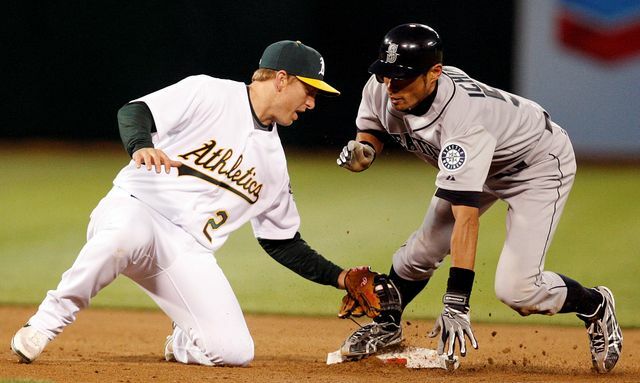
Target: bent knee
(518,296)
(235,354)
(414,272)
(232,348)
(412,268)
(240,359)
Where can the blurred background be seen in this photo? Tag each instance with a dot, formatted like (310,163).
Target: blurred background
(69,66)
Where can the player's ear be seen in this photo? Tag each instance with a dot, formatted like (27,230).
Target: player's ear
(281,80)
(433,74)
(436,70)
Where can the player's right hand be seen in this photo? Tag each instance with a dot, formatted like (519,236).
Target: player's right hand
(356,156)
(453,324)
(152,157)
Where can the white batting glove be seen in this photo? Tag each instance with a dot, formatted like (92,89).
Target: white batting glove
(356,156)
(455,324)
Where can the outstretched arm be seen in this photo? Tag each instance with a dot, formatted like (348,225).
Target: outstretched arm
(298,256)
(454,324)
(464,238)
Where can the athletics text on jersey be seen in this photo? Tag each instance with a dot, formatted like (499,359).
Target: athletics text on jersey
(233,170)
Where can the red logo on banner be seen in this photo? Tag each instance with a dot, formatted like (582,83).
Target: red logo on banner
(607,30)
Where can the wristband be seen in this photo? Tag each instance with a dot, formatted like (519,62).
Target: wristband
(457,300)
(459,287)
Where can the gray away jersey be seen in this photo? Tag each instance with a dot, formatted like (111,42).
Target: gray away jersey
(471,131)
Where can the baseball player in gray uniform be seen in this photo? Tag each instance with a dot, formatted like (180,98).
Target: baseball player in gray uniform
(488,144)
(224,165)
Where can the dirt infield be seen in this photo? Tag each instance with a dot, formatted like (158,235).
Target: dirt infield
(126,346)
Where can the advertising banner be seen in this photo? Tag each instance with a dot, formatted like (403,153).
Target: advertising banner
(580,59)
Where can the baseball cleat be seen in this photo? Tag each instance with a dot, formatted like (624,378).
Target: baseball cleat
(371,338)
(168,349)
(605,335)
(168,345)
(28,343)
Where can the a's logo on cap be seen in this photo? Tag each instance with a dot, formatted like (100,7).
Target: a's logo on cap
(392,53)
(321,67)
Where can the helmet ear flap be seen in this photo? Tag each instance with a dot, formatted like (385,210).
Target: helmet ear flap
(380,79)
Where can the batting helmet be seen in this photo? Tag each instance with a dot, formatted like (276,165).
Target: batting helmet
(407,50)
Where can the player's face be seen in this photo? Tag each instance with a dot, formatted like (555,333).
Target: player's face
(407,93)
(297,97)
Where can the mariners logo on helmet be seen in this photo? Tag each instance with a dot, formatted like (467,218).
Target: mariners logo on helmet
(407,51)
(453,157)
(392,53)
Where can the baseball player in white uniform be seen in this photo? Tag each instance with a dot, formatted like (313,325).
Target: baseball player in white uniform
(206,159)
(488,144)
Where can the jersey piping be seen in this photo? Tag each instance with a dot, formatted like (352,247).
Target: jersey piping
(256,121)
(553,216)
(443,108)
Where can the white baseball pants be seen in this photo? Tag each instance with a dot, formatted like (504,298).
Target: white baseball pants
(127,237)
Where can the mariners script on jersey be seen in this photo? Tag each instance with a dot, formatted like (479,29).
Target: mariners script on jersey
(234,170)
(471,132)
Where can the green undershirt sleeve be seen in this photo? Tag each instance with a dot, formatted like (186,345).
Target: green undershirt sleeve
(296,255)
(136,124)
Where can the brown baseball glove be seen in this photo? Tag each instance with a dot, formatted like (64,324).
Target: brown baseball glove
(368,293)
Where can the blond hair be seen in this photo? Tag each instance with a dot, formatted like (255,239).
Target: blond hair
(264,74)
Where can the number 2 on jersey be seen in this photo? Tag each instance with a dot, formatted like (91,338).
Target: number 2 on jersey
(215,222)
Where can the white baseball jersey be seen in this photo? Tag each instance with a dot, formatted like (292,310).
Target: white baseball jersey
(471,132)
(160,229)
(233,171)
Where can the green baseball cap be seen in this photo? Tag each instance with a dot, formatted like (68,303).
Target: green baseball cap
(299,60)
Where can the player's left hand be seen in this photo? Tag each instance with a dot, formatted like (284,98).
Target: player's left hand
(455,324)
(368,293)
(151,157)
(356,156)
